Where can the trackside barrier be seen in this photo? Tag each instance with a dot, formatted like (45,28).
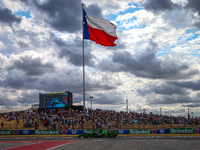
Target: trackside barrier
(119,131)
(183,130)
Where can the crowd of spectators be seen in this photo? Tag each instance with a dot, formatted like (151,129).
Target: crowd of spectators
(98,118)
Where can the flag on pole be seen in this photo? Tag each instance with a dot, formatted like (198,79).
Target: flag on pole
(99,30)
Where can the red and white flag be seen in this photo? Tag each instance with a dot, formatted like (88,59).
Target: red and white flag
(99,30)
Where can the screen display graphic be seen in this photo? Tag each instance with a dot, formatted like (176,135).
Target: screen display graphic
(56,100)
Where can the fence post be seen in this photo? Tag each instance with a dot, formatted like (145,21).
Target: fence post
(156,124)
(184,122)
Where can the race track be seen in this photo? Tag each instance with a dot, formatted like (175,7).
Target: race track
(119,143)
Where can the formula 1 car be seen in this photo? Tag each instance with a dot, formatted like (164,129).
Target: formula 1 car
(98,133)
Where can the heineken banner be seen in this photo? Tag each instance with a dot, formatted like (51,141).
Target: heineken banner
(40,132)
(183,130)
(140,131)
(148,131)
(5,132)
(57,132)
(119,131)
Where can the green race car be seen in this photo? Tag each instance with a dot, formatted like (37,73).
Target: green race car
(98,133)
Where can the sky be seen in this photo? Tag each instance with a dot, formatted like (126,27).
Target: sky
(154,65)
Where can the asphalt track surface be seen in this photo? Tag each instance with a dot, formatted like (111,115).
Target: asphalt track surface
(119,143)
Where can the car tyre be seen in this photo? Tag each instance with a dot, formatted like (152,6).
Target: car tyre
(85,135)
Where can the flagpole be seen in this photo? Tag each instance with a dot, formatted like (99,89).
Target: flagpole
(83,63)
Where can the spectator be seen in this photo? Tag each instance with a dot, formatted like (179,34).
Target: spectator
(2,125)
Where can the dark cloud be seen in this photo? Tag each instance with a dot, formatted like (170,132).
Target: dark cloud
(7,102)
(5,38)
(73,51)
(107,98)
(94,10)
(178,18)
(7,17)
(148,65)
(28,97)
(103,86)
(33,39)
(72,81)
(32,66)
(25,99)
(165,99)
(17,81)
(159,5)
(22,45)
(193,85)
(176,112)
(194,105)
(162,89)
(194,5)
(64,15)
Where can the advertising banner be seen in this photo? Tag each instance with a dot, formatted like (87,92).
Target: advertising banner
(161,131)
(24,132)
(119,131)
(47,132)
(6,132)
(181,130)
(122,131)
(71,132)
(197,130)
(140,131)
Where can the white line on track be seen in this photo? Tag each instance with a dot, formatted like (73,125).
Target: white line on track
(62,145)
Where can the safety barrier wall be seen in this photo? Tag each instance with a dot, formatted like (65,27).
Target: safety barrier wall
(119,131)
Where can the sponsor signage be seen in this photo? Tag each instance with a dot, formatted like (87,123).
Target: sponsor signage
(5,132)
(47,132)
(122,131)
(161,131)
(181,130)
(74,132)
(140,131)
(119,131)
(26,132)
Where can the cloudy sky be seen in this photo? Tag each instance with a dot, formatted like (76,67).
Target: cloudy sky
(154,65)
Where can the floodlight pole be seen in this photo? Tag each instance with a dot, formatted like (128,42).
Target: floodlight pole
(127,104)
(91,97)
(83,63)
(160,110)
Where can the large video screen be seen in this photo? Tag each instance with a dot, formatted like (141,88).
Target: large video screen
(56,100)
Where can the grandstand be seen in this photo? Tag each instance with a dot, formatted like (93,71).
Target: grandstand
(90,119)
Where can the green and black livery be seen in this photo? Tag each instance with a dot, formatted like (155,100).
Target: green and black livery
(98,133)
